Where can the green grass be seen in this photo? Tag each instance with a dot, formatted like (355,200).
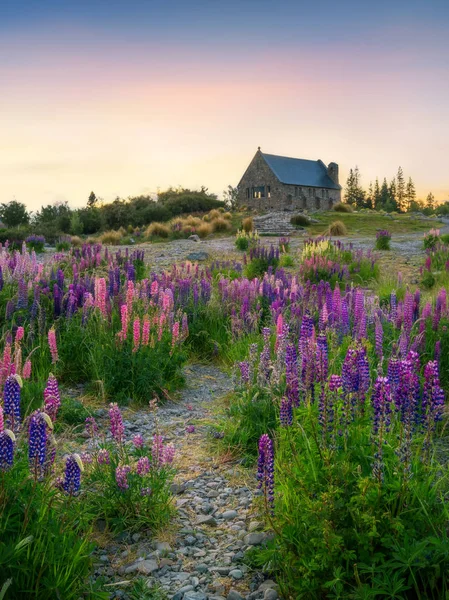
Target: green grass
(369,223)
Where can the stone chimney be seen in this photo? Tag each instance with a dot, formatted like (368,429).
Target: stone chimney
(332,171)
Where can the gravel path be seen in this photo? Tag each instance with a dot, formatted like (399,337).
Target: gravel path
(199,558)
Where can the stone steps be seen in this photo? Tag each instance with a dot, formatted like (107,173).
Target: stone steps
(276,223)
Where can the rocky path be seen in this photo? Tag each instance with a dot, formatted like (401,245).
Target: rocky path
(199,556)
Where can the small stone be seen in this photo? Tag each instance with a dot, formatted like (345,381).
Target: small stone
(197,256)
(185,588)
(270,594)
(195,596)
(163,547)
(234,595)
(229,514)
(236,574)
(254,525)
(254,539)
(202,568)
(206,520)
(194,238)
(146,567)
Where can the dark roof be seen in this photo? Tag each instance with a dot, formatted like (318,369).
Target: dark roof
(298,171)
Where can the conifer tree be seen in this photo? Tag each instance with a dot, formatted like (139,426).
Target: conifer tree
(349,196)
(430,201)
(410,194)
(400,191)
(376,195)
(370,196)
(384,195)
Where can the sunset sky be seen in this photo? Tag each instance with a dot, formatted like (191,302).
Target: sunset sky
(124,98)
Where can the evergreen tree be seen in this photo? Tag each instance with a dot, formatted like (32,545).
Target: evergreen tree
(410,194)
(349,196)
(92,200)
(376,195)
(430,201)
(370,196)
(354,194)
(400,191)
(392,190)
(384,198)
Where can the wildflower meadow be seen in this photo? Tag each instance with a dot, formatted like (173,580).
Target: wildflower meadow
(336,410)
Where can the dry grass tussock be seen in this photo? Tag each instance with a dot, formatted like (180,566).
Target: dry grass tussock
(337,228)
(248,224)
(157,230)
(111,238)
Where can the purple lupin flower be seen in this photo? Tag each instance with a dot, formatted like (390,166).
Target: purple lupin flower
(72,474)
(379,337)
(52,398)
(39,424)
(244,372)
(322,361)
(143,466)
(265,470)
(7,439)
(116,423)
(91,427)
(291,375)
(11,401)
(286,412)
(381,401)
(121,477)
(103,457)
(433,397)
(265,359)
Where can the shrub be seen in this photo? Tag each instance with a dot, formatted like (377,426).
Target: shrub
(76,241)
(245,239)
(286,261)
(227,215)
(337,228)
(445,238)
(300,220)
(261,259)
(242,243)
(343,207)
(204,230)
(215,214)
(284,244)
(157,230)
(111,238)
(35,242)
(383,239)
(220,224)
(431,239)
(248,224)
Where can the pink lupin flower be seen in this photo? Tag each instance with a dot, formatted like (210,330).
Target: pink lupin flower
(130,295)
(19,335)
(279,329)
(52,345)
(116,422)
(175,333)
(162,320)
(145,331)
(100,294)
(124,317)
(6,362)
(154,288)
(26,371)
(18,360)
(136,334)
(121,477)
(168,454)
(157,449)
(185,327)
(104,457)
(138,441)
(143,466)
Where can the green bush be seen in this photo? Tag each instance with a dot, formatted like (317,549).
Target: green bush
(300,220)
(62,246)
(342,207)
(242,243)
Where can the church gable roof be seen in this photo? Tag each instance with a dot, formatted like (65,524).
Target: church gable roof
(298,171)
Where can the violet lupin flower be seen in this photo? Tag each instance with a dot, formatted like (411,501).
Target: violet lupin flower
(7,440)
(116,422)
(143,466)
(433,398)
(11,401)
(72,475)
(322,362)
(381,400)
(286,413)
(91,427)
(121,477)
(40,423)
(265,359)
(291,375)
(265,470)
(168,454)
(157,449)
(244,372)
(138,441)
(103,457)
(52,398)
(379,338)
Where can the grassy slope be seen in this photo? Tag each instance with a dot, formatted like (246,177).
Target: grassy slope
(368,223)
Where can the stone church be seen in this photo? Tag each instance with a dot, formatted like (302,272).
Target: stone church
(280,183)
